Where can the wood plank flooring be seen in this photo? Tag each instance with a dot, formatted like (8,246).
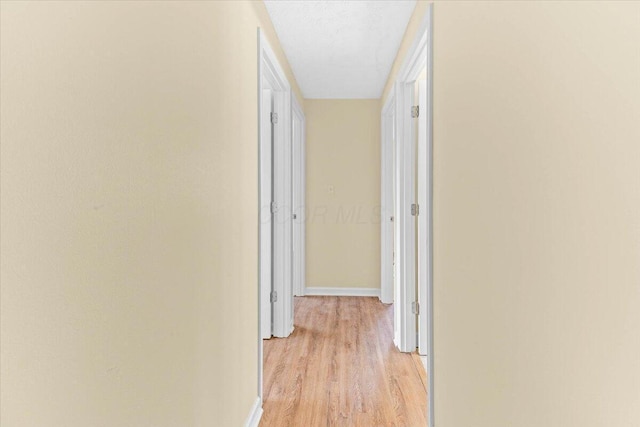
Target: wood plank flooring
(341,368)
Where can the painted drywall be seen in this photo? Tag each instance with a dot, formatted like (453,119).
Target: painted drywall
(413,26)
(341,49)
(343,193)
(129,212)
(536,213)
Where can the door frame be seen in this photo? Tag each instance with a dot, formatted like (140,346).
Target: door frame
(419,55)
(271,76)
(424,232)
(386,200)
(404,220)
(299,206)
(265,228)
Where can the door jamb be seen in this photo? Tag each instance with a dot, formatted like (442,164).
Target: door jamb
(299,208)
(404,220)
(425,164)
(265,228)
(386,197)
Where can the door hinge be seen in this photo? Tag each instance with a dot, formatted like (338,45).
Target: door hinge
(274,207)
(415,209)
(415,307)
(415,111)
(274,296)
(274,118)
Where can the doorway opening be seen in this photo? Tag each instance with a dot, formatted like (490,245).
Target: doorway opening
(406,199)
(406,230)
(274,223)
(281,200)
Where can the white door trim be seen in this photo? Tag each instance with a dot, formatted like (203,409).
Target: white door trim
(386,200)
(282,219)
(424,219)
(299,174)
(419,55)
(271,75)
(404,221)
(255,414)
(429,291)
(266,223)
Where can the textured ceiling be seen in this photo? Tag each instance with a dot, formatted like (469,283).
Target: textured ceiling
(340,49)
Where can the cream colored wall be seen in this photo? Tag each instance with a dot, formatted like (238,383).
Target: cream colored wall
(537,214)
(413,26)
(343,225)
(129,212)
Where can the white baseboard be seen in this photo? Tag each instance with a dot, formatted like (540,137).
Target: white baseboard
(343,292)
(256,413)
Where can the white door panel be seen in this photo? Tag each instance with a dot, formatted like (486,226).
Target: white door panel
(404,220)
(282,219)
(266,166)
(424,232)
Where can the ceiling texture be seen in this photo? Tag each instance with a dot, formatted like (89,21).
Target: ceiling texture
(340,49)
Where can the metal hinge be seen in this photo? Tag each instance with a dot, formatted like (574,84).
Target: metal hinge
(274,296)
(415,111)
(274,118)
(415,209)
(415,307)
(274,207)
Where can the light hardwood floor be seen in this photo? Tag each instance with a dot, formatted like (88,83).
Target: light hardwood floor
(341,368)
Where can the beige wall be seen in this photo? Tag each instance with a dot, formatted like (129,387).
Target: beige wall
(343,193)
(129,213)
(413,26)
(537,214)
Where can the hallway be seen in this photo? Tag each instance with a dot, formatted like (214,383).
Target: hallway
(341,368)
(177,176)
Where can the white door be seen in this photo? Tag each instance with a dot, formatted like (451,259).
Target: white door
(298,218)
(266,216)
(387,205)
(395,240)
(282,261)
(405,219)
(424,228)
